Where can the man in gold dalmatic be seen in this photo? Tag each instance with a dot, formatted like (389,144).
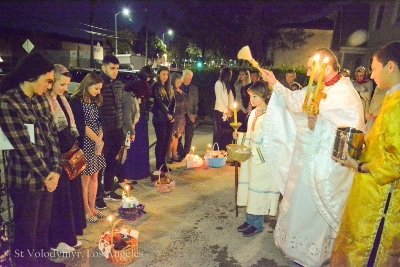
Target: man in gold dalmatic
(369,234)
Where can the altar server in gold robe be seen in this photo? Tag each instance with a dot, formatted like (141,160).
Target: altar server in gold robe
(370,231)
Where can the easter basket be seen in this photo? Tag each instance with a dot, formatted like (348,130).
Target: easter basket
(193,161)
(215,159)
(238,152)
(164,185)
(120,247)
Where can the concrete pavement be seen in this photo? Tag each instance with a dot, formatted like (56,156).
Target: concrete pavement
(193,226)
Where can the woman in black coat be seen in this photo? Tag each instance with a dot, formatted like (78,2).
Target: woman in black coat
(163,115)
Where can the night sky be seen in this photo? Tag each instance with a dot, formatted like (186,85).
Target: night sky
(69,17)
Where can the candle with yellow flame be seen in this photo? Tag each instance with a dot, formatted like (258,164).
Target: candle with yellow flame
(321,76)
(234,113)
(312,75)
(193,149)
(110,218)
(127,190)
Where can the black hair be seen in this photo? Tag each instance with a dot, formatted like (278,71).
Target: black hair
(110,59)
(28,69)
(390,52)
(146,72)
(226,77)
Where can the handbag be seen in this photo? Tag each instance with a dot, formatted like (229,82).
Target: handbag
(73,162)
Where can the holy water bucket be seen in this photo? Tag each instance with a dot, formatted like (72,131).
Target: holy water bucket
(348,139)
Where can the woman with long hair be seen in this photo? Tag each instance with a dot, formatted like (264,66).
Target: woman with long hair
(135,110)
(84,104)
(67,215)
(163,115)
(223,109)
(242,98)
(179,118)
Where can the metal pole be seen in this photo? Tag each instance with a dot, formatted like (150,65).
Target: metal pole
(147,49)
(116,34)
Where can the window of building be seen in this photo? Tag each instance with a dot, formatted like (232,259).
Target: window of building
(379,19)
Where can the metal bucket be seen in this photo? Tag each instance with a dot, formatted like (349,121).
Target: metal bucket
(348,139)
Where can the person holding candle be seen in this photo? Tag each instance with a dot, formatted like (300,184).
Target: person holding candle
(369,234)
(299,148)
(223,109)
(256,188)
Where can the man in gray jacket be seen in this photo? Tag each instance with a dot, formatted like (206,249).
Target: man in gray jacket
(191,108)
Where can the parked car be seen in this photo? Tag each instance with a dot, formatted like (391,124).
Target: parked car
(125,76)
(77,77)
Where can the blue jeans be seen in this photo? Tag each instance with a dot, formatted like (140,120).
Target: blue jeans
(257,221)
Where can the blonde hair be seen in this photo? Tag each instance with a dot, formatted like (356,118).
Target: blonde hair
(247,77)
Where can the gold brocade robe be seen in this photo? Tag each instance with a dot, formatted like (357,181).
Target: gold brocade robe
(367,199)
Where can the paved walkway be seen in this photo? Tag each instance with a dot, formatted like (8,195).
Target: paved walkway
(193,226)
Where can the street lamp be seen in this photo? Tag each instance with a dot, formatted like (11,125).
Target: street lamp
(125,11)
(170,32)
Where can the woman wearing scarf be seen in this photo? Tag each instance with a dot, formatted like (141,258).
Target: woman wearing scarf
(68,217)
(363,86)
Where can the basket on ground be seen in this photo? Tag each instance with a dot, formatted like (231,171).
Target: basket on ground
(164,185)
(238,152)
(215,159)
(120,247)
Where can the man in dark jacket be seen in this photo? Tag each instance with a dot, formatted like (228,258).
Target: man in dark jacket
(192,100)
(111,122)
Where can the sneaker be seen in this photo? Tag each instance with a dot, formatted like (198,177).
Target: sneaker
(112,196)
(243,227)
(251,231)
(100,204)
(63,248)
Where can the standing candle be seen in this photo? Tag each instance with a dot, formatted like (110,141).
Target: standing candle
(234,113)
(127,191)
(321,76)
(312,75)
(110,219)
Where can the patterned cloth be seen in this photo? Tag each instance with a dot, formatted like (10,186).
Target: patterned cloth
(29,164)
(94,163)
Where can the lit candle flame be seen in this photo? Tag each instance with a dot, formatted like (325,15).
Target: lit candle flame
(326,60)
(234,104)
(110,218)
(127,190)
(193,149)
(317,57)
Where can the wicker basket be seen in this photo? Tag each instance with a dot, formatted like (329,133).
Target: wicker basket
(164,188)
(215,162)
(238,152)
(125,256)
(132,214)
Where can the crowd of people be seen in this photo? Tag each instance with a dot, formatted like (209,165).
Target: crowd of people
(332,210)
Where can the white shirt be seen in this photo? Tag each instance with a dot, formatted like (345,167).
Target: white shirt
(223,101)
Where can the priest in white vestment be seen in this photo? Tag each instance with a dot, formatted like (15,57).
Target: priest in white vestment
(299,148)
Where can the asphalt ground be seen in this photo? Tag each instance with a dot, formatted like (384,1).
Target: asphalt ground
(195,225)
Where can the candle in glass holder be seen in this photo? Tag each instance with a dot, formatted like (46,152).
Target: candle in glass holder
(234,113)
(321,76)
(127,190)
(312,75)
